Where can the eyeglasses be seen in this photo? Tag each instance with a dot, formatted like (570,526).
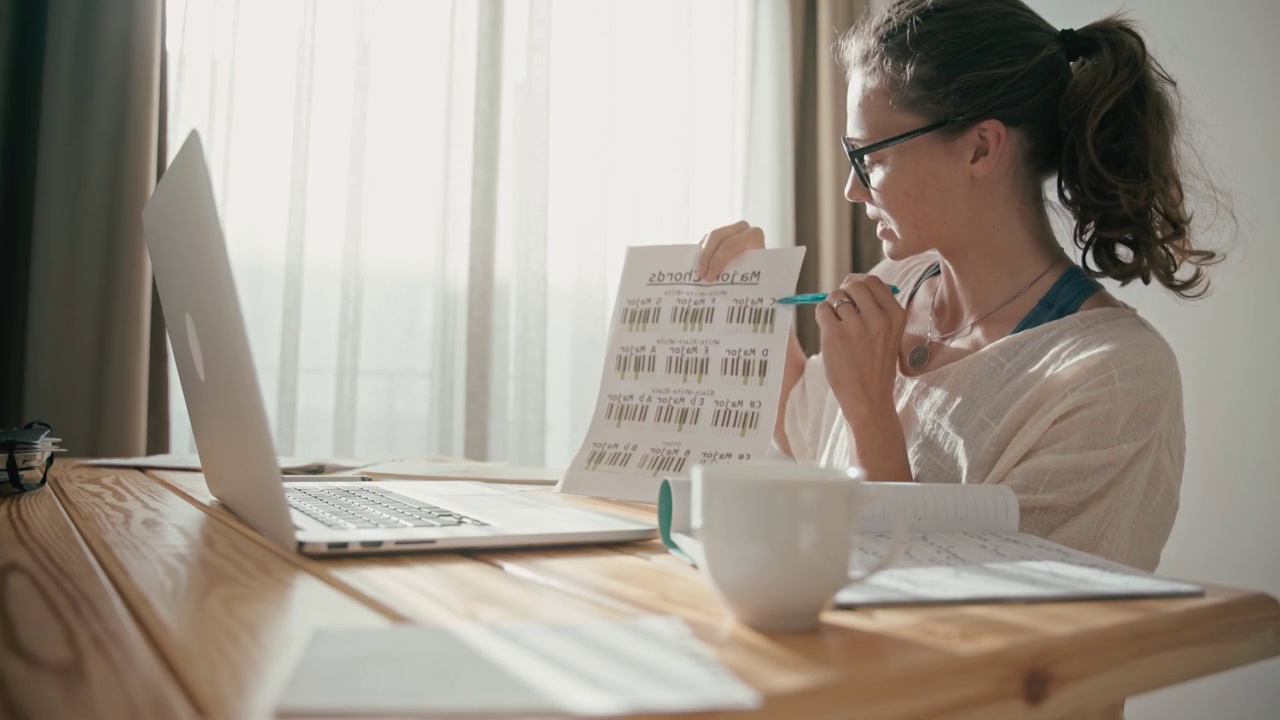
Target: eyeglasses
(858,155)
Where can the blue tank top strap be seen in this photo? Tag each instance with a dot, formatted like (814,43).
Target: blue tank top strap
(1063,299)
(933,269)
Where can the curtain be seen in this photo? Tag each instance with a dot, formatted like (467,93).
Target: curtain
(427,203)
(84,100)
(22,37)
(839,238)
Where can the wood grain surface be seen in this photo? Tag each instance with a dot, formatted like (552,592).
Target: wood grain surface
(213,618)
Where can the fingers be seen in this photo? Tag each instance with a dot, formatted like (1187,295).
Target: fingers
(722,245)
(838,308)
(884,295)
(877,290)
(723,232)
(869,299)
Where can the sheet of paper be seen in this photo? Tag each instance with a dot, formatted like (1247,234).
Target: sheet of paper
(479,471)
(641,665)
(692,372)
(191,461)
(994,566)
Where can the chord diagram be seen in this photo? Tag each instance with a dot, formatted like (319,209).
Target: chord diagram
(751,319)
(669,417)
(629,413)
(661,464)
(744,370)
(638,319)
(635,365)
(684,367)
(727,421)
(608,460)
(693,319)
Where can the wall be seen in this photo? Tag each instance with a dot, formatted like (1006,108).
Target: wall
(1223,56)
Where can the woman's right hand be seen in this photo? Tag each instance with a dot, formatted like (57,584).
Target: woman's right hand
(722,245)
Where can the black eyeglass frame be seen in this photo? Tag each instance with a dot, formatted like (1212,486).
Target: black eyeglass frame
(857,155)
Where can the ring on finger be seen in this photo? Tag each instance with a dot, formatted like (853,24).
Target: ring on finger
(835,306)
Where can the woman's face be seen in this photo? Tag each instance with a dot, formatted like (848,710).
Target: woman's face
(918,187)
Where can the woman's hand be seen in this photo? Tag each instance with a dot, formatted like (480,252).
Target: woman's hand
(862,325)
(722,245)
(719,248)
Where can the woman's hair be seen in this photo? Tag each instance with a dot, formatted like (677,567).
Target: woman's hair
(1093,105)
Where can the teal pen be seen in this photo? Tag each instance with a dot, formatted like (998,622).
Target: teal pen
(813,298)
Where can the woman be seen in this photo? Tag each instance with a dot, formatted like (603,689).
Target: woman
(1001,360)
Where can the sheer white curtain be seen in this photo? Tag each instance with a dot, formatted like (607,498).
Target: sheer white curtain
(427,202)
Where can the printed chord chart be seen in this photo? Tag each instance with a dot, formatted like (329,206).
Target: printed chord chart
(635,367)
(661,464)
(622,413)
(688,368)
(693,319)
(726,421)
(640,319)
(671,418)
(692,369)
(744,370)
(742,319)
(609,460)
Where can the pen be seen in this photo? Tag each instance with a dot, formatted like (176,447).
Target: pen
(813,298)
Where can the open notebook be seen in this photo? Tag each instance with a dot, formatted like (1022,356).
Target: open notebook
(962,545)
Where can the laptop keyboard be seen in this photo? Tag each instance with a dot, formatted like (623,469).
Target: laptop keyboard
(351,507)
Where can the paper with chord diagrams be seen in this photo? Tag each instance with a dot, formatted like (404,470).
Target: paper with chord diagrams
(693,369)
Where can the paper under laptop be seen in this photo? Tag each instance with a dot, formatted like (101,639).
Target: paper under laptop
(191,462)
(428,468)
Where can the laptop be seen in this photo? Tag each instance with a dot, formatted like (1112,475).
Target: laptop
(229,419)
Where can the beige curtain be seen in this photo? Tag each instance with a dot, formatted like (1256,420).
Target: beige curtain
(838,235)
(88,355)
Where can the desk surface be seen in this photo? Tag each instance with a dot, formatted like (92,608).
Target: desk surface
(131,594)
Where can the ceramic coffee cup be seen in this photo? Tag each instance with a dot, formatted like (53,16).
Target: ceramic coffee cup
(776,540)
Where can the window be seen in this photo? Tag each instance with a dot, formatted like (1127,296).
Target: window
(427,203)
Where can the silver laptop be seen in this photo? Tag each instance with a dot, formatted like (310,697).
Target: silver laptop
(211,349)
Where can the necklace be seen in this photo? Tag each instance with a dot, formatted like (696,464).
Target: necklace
(919,356)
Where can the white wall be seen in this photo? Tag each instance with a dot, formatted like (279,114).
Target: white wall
(1224,55)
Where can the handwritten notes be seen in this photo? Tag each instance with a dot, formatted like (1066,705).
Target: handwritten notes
(987,566)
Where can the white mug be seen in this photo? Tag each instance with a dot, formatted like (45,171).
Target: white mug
(776,539)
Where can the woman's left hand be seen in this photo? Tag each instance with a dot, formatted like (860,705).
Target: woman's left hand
(862,325)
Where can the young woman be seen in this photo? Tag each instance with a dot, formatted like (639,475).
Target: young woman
(1002,361)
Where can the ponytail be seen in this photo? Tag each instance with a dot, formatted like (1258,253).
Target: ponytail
(1119,172)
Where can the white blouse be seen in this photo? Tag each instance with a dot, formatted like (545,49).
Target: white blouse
(1081,416)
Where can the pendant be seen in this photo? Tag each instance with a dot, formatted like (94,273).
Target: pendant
(918,357)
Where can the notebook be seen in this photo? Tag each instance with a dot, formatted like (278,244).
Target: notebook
(962,546)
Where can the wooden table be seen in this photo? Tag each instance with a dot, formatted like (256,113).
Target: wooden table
(131,594)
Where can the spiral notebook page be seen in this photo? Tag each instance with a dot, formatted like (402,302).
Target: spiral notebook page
(937,507)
